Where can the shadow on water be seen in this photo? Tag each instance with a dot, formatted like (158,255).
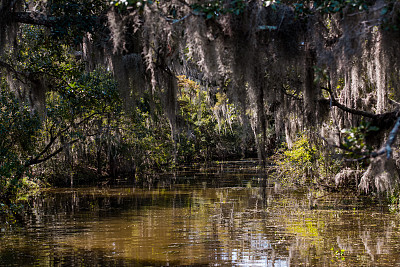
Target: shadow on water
(71,257)
(227,214)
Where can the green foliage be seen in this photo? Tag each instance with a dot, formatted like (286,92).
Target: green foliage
(302,152)
(393,200)
(304,163)
(388,21)
(355,139)
(298,162)
(84,134)
(329,6)
(198,124)
(78,105)
(72,115)
(210,124)
(9,213)
(94,92)
(208,9)
(18,136)
(148,137)
(39,55)
(80,130)
(212,9)
(138,4)
(84,115)
(73,19)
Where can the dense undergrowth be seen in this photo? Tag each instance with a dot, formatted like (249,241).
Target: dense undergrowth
(305,164)
(308,163)
(92,92)
(83,134)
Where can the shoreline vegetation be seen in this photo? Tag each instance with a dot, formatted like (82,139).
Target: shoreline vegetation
(96,91)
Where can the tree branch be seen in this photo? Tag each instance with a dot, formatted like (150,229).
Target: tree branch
(29,163)
(385,149)
(335,103)
(295,97)
(383,120)
(10,68)
(33,18)
(36,159)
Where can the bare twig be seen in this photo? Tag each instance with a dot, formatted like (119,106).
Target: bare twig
(181,19)
(394,102)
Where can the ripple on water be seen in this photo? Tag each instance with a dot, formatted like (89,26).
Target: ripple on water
(201,224)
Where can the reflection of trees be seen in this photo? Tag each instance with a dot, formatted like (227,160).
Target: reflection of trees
(240,225)
(327,237)
(206,226)
(56,221)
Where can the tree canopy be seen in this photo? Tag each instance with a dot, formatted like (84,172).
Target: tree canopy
(328,67)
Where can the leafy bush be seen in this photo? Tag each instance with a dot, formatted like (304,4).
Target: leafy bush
(304,163)
(355,139)
(18,135)
(210,127)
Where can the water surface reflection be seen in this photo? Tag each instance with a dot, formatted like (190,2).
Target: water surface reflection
(201,223)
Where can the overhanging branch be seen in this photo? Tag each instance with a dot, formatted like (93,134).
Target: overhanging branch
(33,18)
(333,102)
(18,74)
(37,161)
(387,147)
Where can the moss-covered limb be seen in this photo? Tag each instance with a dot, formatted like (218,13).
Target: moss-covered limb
(44,155)
(247,49)
(334,103)
(383,120)
(343,147)
(38,159)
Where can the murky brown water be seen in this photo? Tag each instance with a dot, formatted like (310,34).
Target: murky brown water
(217,220)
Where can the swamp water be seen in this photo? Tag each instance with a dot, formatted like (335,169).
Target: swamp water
(219,218)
